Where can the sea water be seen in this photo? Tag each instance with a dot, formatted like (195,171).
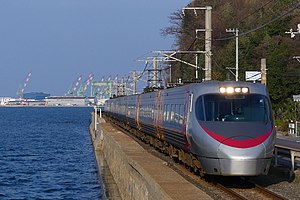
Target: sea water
(46,153)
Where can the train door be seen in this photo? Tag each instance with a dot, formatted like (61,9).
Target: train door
(126,110)
(158,115)
(137,113)
(188,103)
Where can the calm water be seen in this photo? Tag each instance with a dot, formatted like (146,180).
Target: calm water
(46,153)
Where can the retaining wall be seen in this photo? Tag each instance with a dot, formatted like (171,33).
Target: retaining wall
(137,173)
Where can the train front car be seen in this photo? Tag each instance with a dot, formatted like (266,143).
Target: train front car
(232,131)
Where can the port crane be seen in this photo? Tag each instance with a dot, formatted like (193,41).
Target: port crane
(84,86)
(102,89)
(74,86)
(21,89)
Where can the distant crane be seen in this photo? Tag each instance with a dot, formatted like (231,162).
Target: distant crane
(102,89)
(84,86)
(74,86)
(21,90)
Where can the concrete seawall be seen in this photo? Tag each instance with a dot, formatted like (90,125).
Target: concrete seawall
(136,173)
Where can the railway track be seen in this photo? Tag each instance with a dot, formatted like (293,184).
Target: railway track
(214,186)
(249,190)
(268,193)
(237,188)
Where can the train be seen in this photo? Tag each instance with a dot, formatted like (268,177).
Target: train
(221,128)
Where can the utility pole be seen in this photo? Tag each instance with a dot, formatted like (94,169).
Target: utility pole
(196,61)
(263,71)
(134,82)
(116,88)
(208,54)
(123,86)
(293,34)
(155,73)
(236,31)
(136,76)
(208,43)
(170,75)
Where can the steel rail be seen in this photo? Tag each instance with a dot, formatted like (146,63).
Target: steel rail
(231,192)
(269,193)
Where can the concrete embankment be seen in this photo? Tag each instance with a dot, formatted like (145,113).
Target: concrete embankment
(136,173)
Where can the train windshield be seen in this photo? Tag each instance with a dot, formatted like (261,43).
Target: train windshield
(243,108)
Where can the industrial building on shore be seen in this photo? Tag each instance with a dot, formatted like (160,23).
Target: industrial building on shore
(46,100)
(69,101)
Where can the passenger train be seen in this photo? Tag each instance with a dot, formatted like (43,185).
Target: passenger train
(218,128)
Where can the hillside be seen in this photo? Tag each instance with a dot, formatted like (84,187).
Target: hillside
(262,25)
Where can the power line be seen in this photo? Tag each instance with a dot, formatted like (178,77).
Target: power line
(175,63)
(250,14)
(144,70)
(262,26)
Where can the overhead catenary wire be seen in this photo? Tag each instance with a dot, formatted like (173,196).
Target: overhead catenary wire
(257,28)
(144,70)
(262,26)
(270,17)
(191,45)
(241,34)
(258,9)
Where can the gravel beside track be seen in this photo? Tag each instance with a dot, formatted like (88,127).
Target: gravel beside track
(280,182)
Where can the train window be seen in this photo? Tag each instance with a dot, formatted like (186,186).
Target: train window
(165,112)
(141,111)
(199,109)
(147,111)
(152,111)
(172,113)
(250,107)
(172,117)
(181,114)
(176,113)
(168,112)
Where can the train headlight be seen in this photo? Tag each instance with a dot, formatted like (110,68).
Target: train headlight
(234,90)
(229,90)
(237,90)
(245,90)
(222,90)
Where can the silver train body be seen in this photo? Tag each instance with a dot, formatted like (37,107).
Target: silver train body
(228,126)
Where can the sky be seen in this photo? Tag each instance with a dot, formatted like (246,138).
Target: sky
(59,40)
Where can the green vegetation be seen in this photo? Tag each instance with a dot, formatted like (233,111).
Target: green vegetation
(262,25)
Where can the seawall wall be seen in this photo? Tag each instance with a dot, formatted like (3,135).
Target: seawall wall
(137,173)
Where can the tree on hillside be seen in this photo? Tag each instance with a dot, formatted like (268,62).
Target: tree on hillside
(262,25)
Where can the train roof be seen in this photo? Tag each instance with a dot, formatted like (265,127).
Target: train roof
(213,87)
